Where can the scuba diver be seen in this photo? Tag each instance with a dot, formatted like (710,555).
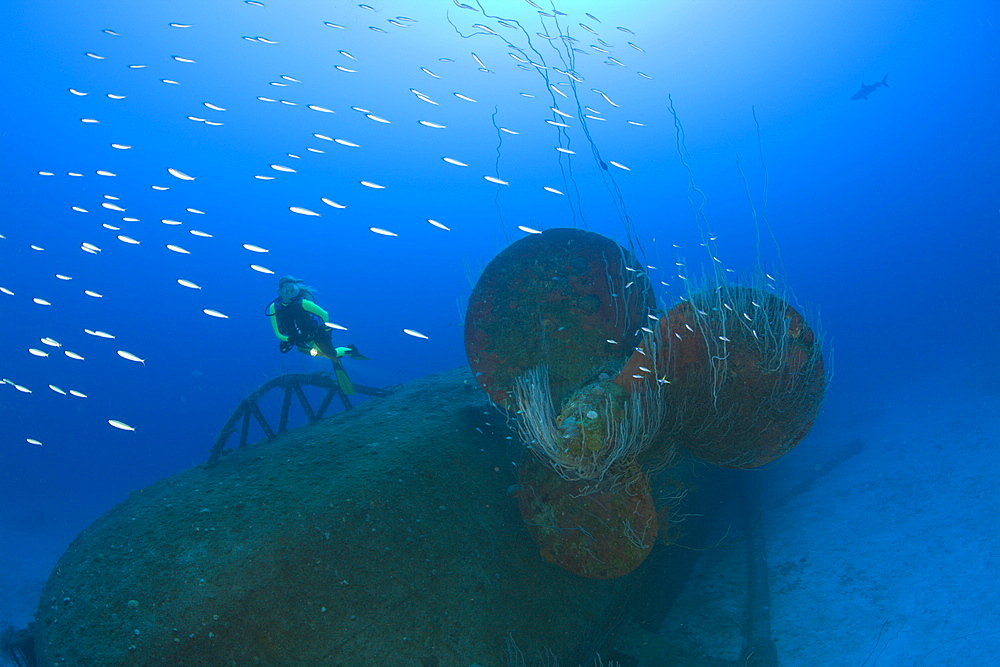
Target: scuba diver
(299,322)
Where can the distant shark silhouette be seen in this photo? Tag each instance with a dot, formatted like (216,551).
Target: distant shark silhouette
(868,89)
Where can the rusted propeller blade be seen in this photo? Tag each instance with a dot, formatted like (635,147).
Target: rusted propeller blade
(555,298)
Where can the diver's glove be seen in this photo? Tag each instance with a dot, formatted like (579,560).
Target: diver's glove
(285,346)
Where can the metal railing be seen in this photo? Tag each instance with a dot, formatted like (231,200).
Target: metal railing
(292,385)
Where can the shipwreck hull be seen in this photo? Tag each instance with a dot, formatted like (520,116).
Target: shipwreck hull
(384,535)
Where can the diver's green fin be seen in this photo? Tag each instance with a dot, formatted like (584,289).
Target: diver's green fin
(352,352)
(345,383)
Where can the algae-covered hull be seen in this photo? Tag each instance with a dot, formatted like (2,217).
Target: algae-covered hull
(382,536)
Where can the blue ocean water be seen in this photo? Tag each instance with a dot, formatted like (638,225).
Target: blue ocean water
(884,211)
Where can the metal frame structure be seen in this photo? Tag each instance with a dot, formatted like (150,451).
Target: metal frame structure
(292,384)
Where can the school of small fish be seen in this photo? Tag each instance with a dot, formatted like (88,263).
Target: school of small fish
(313,173)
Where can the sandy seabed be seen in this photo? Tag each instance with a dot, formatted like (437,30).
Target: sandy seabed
(883,538)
